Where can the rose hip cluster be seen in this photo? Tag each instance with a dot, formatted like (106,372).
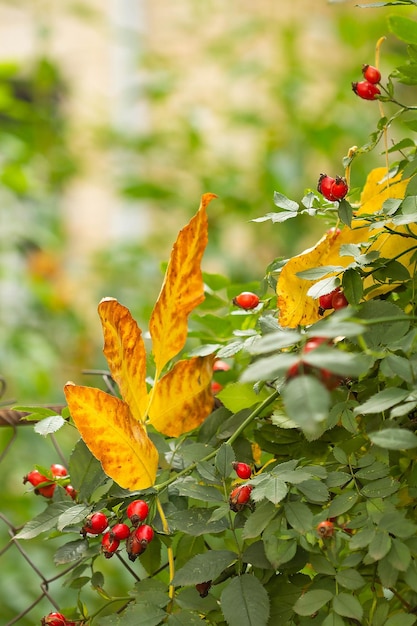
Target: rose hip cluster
(367,89)
(46,485)
(137,537)
(333,189)
(240,496)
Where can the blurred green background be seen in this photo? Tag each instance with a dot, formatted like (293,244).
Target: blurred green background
(114,118)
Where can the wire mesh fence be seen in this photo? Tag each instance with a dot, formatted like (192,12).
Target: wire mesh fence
(31,584)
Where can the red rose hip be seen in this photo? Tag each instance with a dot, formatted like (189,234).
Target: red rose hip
(120,531)
(95,524)
(246,300)
(371,74)
(109,544)
(137,511)
(59,470)
(366,90)
(243,470)
(240,497)
(325,529)
(339,300)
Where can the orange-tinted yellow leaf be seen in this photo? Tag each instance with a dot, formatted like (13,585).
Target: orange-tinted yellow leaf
(113,436)
(182,289)
(124,350)
(182,398)
(296,308)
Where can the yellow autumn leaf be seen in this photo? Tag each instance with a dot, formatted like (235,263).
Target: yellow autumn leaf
(183,398)
(295,306)
(182,289)
(113,429)
(124,350)
(113,436)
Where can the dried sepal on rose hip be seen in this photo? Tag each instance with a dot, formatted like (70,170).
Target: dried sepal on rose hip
(239,497)
(246,300)
(204,588)
(95,524)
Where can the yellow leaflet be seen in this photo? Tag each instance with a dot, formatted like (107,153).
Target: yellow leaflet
(124,350)
(182,398)
(182,289)
(295,307)
(113,436)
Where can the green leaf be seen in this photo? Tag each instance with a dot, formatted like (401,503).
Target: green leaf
(316,273)
(255,555)
(314,490)
(350,579)
(49,425)
(347,605)
(259,519)
(396,524)
(196,521)
(382,333)
(279,550)
(410,576)
(382,401)
(46,520)
(238,396)
(399,556)
(299,516)
(387,574)
(352,286)
(379,546)
(362,539)
(183,618)
(273,489)
(285,203)
(312,601)
(342,503)
(373,472)
(307,402)
(271,342)
(394,439)
(381,488)
(337,361)
(74,515)
(333,620)
(86,471)
(143,612)
(268,368)
(345,213)
(71,551)
(245,602)
(321,565)
(403,28)
(224,459)
(396,365)
(190,488)
(401,619)
(204,567)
